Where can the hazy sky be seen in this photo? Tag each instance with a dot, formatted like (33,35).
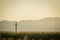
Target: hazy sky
(28,9)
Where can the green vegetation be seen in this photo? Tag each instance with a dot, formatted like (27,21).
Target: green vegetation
(29,36)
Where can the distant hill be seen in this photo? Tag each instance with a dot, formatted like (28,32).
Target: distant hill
(51,24)
(7,25)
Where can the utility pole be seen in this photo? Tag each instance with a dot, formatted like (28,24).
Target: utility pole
(16,27)
(15,31)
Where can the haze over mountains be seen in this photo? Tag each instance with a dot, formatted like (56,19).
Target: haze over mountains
(51,24)
(7,25)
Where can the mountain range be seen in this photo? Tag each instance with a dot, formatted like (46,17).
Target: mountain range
(50,24)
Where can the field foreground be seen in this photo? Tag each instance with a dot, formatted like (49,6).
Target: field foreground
(29,36)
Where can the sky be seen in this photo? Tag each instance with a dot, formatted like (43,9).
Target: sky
(16,10)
